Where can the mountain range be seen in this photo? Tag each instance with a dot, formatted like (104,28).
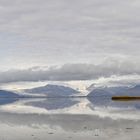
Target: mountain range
(116,91)
(53,91)
(64,91)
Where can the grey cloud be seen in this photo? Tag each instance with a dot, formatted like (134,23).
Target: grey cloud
(68,31)
(89,24)
(71,72)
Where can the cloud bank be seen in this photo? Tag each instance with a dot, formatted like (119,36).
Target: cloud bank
(69,72)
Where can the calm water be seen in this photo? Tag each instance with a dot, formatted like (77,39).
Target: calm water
(68,118)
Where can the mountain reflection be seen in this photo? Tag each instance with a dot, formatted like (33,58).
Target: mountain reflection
(5,101)
(64,105)
(53,103)
(105,101)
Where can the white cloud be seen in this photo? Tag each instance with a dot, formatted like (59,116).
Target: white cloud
(69,72)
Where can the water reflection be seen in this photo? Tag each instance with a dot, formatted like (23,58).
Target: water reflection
(105,101)
(53,103)
(4,101)
(61,103)
(67,103)
(67,118)
(99,106)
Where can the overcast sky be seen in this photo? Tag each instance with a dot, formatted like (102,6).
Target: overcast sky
(57,32)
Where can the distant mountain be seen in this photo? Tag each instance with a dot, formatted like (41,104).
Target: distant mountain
(116,91)
(8,94)
(53,91)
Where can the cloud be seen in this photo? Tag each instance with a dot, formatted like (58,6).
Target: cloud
(69,72)
(48,32)
(67,31)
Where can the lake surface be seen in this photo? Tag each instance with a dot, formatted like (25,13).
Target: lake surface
(69,118)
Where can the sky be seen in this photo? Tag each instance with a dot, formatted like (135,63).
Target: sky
(68,39)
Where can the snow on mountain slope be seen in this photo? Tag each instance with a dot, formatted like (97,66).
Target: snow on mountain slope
(53,91)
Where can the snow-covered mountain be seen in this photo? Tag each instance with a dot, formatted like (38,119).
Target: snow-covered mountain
(8,94)
(53,91)
(114,91)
